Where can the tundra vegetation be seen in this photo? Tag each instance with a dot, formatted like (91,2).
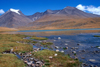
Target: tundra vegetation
(18,43)
(96,35)
(15,42)
(61,60)
(38,38)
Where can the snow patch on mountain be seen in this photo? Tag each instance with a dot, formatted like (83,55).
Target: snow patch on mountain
(14,10)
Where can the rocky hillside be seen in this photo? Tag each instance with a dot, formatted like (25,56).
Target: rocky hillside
(13,18)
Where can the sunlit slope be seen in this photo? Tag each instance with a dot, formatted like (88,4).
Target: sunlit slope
(7,29)
(63,22)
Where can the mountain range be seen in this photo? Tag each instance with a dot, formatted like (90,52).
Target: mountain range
(69,17)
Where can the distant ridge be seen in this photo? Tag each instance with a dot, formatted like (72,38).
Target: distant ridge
(68,11)
(67,18)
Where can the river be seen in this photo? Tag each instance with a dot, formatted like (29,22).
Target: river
(87,49)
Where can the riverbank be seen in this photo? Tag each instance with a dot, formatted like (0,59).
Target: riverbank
(18,44)
(5,29)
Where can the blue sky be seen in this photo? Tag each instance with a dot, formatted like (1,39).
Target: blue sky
(29,7)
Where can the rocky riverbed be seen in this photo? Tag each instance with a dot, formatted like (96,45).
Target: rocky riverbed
(84,47)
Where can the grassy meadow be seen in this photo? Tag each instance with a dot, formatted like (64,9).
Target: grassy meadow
(38,38)
(19,44)
(7,42)
(61,60)
(10,60)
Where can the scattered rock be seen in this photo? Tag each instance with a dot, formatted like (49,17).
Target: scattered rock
(50,57)
(82,57)
(29,63)
(95,66)
(74,52)
(84,64)
(62,51)
(38,62)
(83,50)
(56,47)
(66,44)
(72,48)
(98,47)
(92,60)
(57,50)
(91,65)
(78,44)
(59,37)
(55,54)
(35,60)
(76,47)
(66,47)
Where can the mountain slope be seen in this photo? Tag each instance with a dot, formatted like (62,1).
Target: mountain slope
(68,11)
(67,18)
(13,18)
(63,22)
(2,29)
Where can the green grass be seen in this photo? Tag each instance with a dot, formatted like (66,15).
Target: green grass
(46,43)
(8,41)
(96,35)
(38,38)
(56,61)
(10,60)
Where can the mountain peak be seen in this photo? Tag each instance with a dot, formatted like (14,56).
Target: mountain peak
(69,7)
(14,10)
(49,11)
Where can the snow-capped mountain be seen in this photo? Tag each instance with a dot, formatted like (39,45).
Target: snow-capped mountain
(13,18)
(16,11)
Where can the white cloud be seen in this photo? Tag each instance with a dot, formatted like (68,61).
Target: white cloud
(1,11)
(80,7)
(91,9)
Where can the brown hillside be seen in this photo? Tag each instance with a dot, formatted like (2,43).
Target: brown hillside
(63,22)
(7,29)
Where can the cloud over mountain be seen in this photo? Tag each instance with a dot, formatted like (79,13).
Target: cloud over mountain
(91,9)
(1,11)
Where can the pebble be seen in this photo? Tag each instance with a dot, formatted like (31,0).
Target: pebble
(83,50)
(78,44)
(66,44)
(56,47)
(91,65)
(98,47)
(95,66)
(59,37)
(92,60)
(62,51)
(57,50)
(66,47)
(50,57)
(55,54)
(74,52)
